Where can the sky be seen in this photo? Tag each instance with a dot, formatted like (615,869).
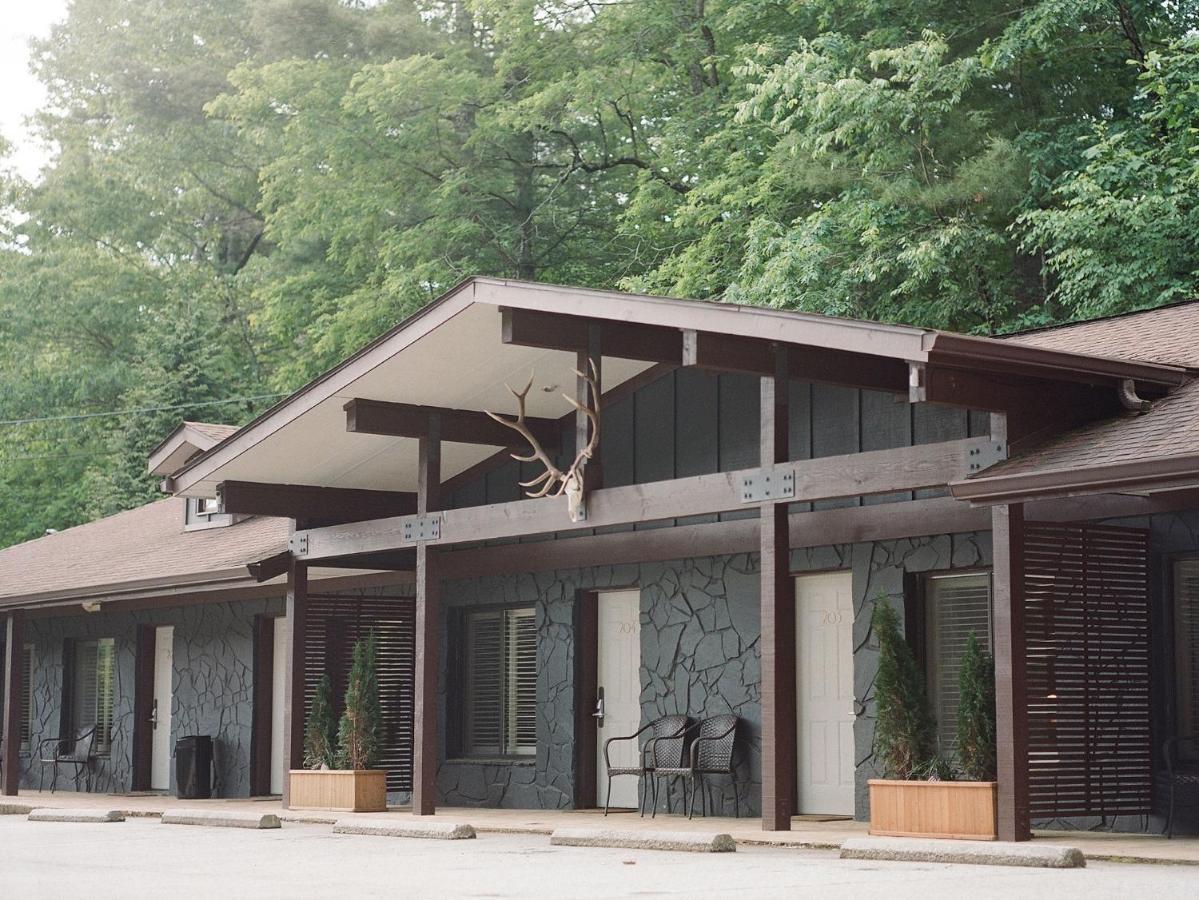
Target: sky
(20,92)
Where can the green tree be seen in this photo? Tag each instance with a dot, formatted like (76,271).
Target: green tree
(904,729)
(359,732)
(976,713)
(320,734)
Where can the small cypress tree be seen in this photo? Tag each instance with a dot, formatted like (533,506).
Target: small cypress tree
(358,736)
(976,713)
(320,736)
(904,729)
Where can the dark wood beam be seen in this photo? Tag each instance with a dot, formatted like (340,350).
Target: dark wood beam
(461,426)
(1011,663)
(777,614)
(271,567)
(428,632)
(311,505)
(729,353)
(623,340)
(14,646)
(294,711)
(849,475)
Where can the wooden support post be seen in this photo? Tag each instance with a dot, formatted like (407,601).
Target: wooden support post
(261,712)
(293,693)
(1011,663)
(14,646)
(593,471)
(428,637)
(778,617)
(143,709)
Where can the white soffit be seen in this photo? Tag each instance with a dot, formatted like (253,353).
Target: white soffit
(461,364)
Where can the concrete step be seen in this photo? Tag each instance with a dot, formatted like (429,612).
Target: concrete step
(66,814)
(220,818)
(694,842)
(446,831)
(981,853)
(15,809)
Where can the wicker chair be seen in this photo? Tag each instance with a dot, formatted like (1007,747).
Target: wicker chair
(711,753)
(1181,775)
(77,751)
(664,748)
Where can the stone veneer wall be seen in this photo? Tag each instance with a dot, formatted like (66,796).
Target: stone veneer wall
(213,685)
(700,649)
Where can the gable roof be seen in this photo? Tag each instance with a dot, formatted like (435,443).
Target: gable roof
(450,354)
(1168,334)
(135,550)
(185,442)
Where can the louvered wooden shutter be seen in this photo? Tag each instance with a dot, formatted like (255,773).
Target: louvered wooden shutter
(521,662)
(958,605)
(26,696)
(1186,647)
(484,653)
(104,693)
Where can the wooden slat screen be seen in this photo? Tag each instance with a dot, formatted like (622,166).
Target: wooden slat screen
(335,623)
(1087,608)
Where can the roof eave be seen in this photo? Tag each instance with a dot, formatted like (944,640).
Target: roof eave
(1154,475)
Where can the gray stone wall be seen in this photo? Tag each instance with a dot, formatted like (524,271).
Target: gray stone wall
(213,685)
(700,648)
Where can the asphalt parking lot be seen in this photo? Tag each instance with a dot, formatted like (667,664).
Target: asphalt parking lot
(142,857)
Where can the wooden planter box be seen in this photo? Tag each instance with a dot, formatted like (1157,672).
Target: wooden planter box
(343,790)
(963,810)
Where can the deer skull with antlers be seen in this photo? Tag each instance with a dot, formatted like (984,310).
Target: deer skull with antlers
(553,481)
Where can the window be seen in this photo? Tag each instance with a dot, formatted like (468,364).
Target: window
(205,512)
(954,606)
(499,679)
(92,694)
(26,696)
(1186,647)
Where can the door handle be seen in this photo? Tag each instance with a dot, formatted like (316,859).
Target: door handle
(154,715)
(599,711)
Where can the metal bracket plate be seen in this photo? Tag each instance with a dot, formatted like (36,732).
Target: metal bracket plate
(298,544)
(985,456)
(426,528)
(768,484)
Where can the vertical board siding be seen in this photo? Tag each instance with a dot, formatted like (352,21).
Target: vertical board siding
(334,624)
(1087,626)
(692,422)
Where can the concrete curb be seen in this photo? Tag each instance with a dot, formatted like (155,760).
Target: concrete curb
(220,818)
(75,815)
(15,809)
(446,831)
(643,840)
(980,853)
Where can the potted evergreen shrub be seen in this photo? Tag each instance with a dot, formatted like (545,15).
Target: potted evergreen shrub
(340,759)
(918,795)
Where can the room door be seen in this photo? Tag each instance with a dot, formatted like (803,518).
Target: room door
(278,685)
(618,707)
(824,692)
(164,672)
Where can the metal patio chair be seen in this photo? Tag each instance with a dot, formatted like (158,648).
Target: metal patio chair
(710,753)
(665,748)
(1181,775)
(77,751)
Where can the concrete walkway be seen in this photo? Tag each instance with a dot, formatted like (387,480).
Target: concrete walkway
(806,833)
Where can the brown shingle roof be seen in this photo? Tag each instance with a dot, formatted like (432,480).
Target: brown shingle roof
(213,430)
(1169,334)
(133,546)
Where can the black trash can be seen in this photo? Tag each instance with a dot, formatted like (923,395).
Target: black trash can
(193,767)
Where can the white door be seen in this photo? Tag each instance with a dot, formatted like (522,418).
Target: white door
(620,687)
(279,668)
(164,671)
(824,692)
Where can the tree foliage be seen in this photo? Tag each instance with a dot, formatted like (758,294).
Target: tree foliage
(904,729)
(976,713)
(320,734)
(244,191)
(359,732)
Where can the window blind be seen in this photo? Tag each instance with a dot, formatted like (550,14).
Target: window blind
(501,682)
(1186,647)
(956,606)
(94,690)
(27,696)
